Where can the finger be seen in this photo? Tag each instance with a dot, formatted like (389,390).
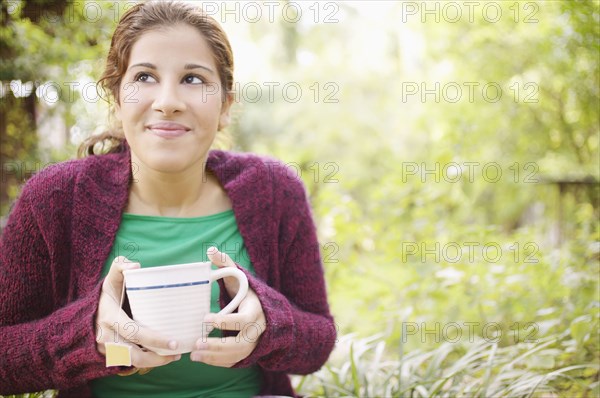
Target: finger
(129,372)
(223,260)
(222,362)
(152,340)
(147,359)
(131,331)
(143,357)
(235,321)
(114,278)
(224,352)
(120,264)
(224,344)
(108,329)
(247,336)
(218,258)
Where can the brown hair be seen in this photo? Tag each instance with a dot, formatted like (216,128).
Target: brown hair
(136,21)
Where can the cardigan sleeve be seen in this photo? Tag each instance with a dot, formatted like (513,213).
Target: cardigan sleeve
(300,332)
(43,344)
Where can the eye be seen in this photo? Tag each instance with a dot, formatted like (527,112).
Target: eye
(144,78)
(193,79)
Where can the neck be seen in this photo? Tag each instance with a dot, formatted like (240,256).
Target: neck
(187,193)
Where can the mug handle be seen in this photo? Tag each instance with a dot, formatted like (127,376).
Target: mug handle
(243,281)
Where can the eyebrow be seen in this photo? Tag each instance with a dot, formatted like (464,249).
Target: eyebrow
(186,66)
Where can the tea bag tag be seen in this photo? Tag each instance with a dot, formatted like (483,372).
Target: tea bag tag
(116,353)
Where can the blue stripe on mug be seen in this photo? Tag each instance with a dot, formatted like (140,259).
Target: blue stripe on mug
(168,286)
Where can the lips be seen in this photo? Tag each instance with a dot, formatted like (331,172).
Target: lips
(168,129)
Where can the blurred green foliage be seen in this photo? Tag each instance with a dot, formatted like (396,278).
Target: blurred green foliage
(472,201)
(361,368)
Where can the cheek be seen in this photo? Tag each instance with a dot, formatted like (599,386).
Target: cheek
(133,108)
(134,95)
(207,110)
(208,99)
(130,93)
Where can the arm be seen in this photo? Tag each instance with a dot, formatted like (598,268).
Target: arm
(40,347)
(300,332)
(45,340)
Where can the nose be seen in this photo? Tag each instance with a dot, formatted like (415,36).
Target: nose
(168,99)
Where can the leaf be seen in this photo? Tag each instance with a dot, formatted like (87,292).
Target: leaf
(355,379)
(580,328)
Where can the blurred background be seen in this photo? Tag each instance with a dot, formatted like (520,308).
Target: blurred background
(450,150)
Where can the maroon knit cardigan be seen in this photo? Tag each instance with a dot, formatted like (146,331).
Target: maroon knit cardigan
(61,230)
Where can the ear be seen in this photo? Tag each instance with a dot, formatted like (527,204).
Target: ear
(225,117)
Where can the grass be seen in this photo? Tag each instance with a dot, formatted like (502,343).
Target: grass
(481,369)
(41,394)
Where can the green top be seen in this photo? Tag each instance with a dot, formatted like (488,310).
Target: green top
(154,241)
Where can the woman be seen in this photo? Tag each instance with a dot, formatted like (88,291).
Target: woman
(161,196)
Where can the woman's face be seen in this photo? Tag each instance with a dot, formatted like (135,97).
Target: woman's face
(170,100)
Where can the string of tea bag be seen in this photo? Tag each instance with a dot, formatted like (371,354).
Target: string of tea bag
(117,353)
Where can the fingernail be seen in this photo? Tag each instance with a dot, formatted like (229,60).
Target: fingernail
(194,356)
(172,344)
(212,250)
(201,346)
(177,357)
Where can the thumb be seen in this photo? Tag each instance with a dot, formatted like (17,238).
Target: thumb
(218,258)
(114,278)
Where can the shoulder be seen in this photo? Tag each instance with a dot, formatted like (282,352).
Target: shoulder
(257,172)
(61,178)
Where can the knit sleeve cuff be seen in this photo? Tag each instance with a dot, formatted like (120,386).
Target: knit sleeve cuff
(58,351)
(76,352)
(275,338)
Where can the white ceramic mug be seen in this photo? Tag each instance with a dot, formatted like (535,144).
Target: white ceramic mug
(173,300)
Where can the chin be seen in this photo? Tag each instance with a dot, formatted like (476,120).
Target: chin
(168,160)
(169,163)
(173,167)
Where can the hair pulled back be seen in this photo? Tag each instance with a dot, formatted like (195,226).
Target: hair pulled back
(138,20)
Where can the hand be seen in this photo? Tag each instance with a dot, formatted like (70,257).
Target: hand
(249,320)
(111,315)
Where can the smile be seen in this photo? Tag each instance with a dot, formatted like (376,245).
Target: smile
(168,129)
